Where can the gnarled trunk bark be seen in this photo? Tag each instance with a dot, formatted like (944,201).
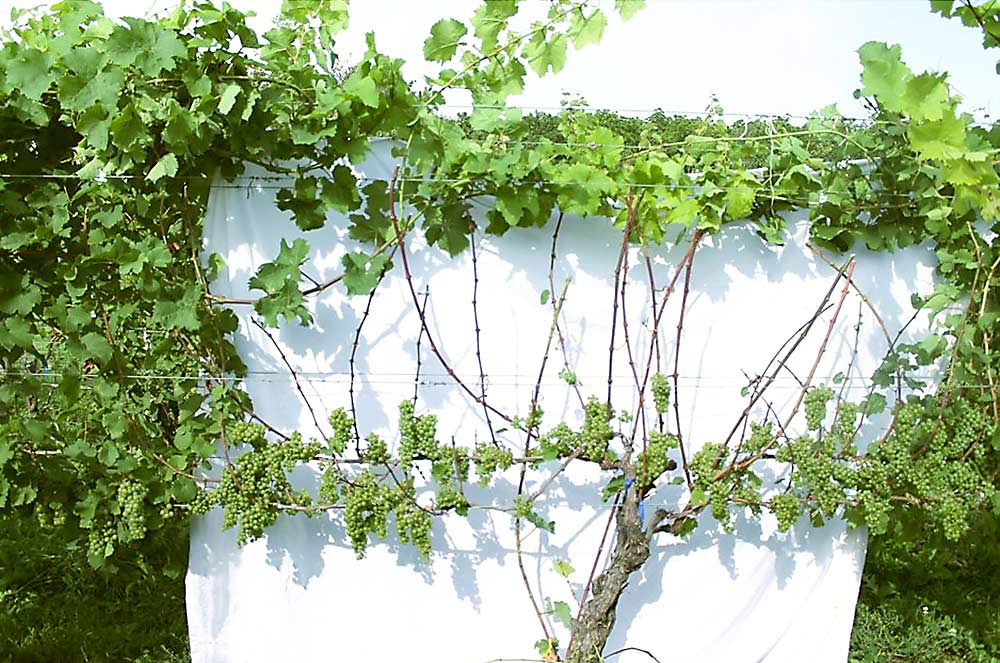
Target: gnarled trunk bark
(597,618)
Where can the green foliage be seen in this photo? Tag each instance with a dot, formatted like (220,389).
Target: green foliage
(112,133)
(57,608)
(923,599)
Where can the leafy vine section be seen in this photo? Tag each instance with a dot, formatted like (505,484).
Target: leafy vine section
(120,381)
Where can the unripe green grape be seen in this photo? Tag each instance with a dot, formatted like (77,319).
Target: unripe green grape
(815,405)
(661,393)
(377,451)
(342,426)
(488,459)
(787,509)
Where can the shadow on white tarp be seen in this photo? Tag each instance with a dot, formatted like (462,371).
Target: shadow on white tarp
(300,594)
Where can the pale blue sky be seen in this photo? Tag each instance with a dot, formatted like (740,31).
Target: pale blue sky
(757,56)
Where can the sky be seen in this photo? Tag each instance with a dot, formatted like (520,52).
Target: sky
(782,57)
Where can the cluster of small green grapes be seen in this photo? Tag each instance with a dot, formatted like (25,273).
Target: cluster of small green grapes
(952,514)
(705,461)
(760,436)
(251,511)
(787,509)
(968,425)
(417,435)
(133,514)
(841,435)
(719,502)
(490,458)
(342,426)
(815,404)
(876,509)
(367,505)
(559,442)
(101,541)
(451,464)
(661,392)
(249,491)
(816,471)
(449,497)
(894,451)
(653,461)
(53,515)
(597,431)
(329,485)
(245,432)
(929,457)
(414,526)
(203,502)
(522,507)
(168,510)
(376,451)
(359,500)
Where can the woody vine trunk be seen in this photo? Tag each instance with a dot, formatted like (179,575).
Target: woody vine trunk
(597,616)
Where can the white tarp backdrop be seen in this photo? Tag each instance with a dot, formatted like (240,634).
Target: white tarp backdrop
(300,595)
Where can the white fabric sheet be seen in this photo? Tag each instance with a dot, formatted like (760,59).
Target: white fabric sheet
(756,595)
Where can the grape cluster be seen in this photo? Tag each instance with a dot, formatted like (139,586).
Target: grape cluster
(245,432)
(931,459)
(787,509)
(661,392)
(559,442)
(490,458)
(815,402)
(842,432)
(203,502)
(50,516)
(417,435)
(817,472)
(101,541)
(329,485)
(376,451)
(133,515)
(654,461)
(876,509)
(703,463)
(414,526)
(450,497)
(342,426)
(367,505)
(597,431)
(168,510)
(952,514)
(719,501)
(250,490)
(968,424)
(760,436)
(359,504)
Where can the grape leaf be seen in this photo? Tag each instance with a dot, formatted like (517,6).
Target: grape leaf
(446,36)
(165,167)
(585,30)
(362,272)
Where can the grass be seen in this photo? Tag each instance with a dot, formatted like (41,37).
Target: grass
(54,607)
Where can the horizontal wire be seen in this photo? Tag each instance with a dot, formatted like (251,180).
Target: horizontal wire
(251,184)
(673,113)
(714,381)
